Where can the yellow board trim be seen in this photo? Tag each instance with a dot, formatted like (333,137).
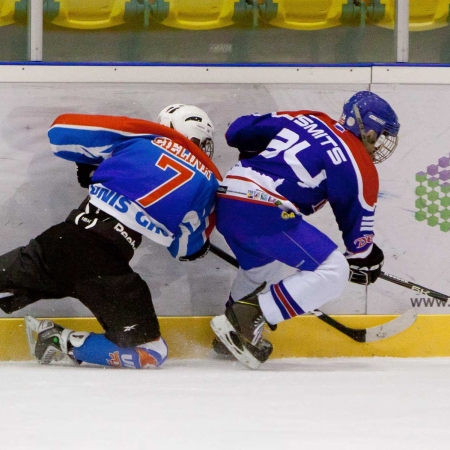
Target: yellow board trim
(306,336)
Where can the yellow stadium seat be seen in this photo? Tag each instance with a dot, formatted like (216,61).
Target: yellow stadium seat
(90,14)
(423,14)
(7,12)
(199,14)
(302,14)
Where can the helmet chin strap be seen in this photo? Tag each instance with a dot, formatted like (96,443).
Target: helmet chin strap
(360,125)
(368,139)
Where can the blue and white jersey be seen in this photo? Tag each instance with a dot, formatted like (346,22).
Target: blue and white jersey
(149,177)
(306,159)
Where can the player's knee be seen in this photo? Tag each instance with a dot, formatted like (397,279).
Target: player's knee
(335,269)
(139,333)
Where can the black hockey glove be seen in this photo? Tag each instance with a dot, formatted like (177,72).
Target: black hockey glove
(198,254)
(366,270)
(247,154)
(84,174)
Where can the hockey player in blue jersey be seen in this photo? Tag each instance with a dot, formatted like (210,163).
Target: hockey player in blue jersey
(145,179)
(291,164)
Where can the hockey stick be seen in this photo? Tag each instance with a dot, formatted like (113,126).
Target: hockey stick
(415,287)
(371,334)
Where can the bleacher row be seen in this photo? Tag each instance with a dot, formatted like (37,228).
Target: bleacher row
(211,14)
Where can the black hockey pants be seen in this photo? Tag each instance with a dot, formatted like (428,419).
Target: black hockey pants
(69,261)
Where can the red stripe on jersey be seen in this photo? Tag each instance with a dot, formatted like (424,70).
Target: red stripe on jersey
(247,199)
(303,112)
(238,177)
(367,169)
(211,221)
(137,126)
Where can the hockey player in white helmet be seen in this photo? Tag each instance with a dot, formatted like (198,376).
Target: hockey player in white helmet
(123,162)
(191,122)
(165,115)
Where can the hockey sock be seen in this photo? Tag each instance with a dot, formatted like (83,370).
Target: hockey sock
(96,349)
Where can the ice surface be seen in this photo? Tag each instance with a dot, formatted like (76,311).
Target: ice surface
(301,404)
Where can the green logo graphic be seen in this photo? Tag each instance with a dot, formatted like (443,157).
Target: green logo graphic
(433,192)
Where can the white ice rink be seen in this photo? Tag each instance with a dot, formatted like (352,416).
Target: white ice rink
(301,404)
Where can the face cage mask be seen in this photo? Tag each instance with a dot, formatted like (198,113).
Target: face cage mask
(207,146)
(384,147)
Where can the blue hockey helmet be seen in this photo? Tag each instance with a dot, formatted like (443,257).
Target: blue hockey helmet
(373,120)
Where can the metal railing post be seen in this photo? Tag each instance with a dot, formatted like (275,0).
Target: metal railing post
(35,29)
(402,30)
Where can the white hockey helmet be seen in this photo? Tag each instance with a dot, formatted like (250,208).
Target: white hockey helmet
(164,117)
(191,122)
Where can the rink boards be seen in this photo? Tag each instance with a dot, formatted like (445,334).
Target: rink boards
(413,212)
(190,337)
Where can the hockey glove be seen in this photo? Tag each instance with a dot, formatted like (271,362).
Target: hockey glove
(247,154)
(84,174)
(198,254)
(366,270)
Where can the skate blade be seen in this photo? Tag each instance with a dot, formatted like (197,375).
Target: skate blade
(223,329)
(31,327)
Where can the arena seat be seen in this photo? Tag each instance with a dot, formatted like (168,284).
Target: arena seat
(362,12)
(195,14)
(423,14)
(302,14)
(86,14)
(7,12)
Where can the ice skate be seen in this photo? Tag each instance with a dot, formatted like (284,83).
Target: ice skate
(240,330)
(221,349)
(48,341)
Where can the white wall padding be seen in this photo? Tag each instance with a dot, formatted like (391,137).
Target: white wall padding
(38,189)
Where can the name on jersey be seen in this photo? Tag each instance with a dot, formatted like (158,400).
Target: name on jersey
(335,153)
(126,207)
(180,152)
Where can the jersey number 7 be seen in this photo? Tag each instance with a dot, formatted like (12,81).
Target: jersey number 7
(182,176)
